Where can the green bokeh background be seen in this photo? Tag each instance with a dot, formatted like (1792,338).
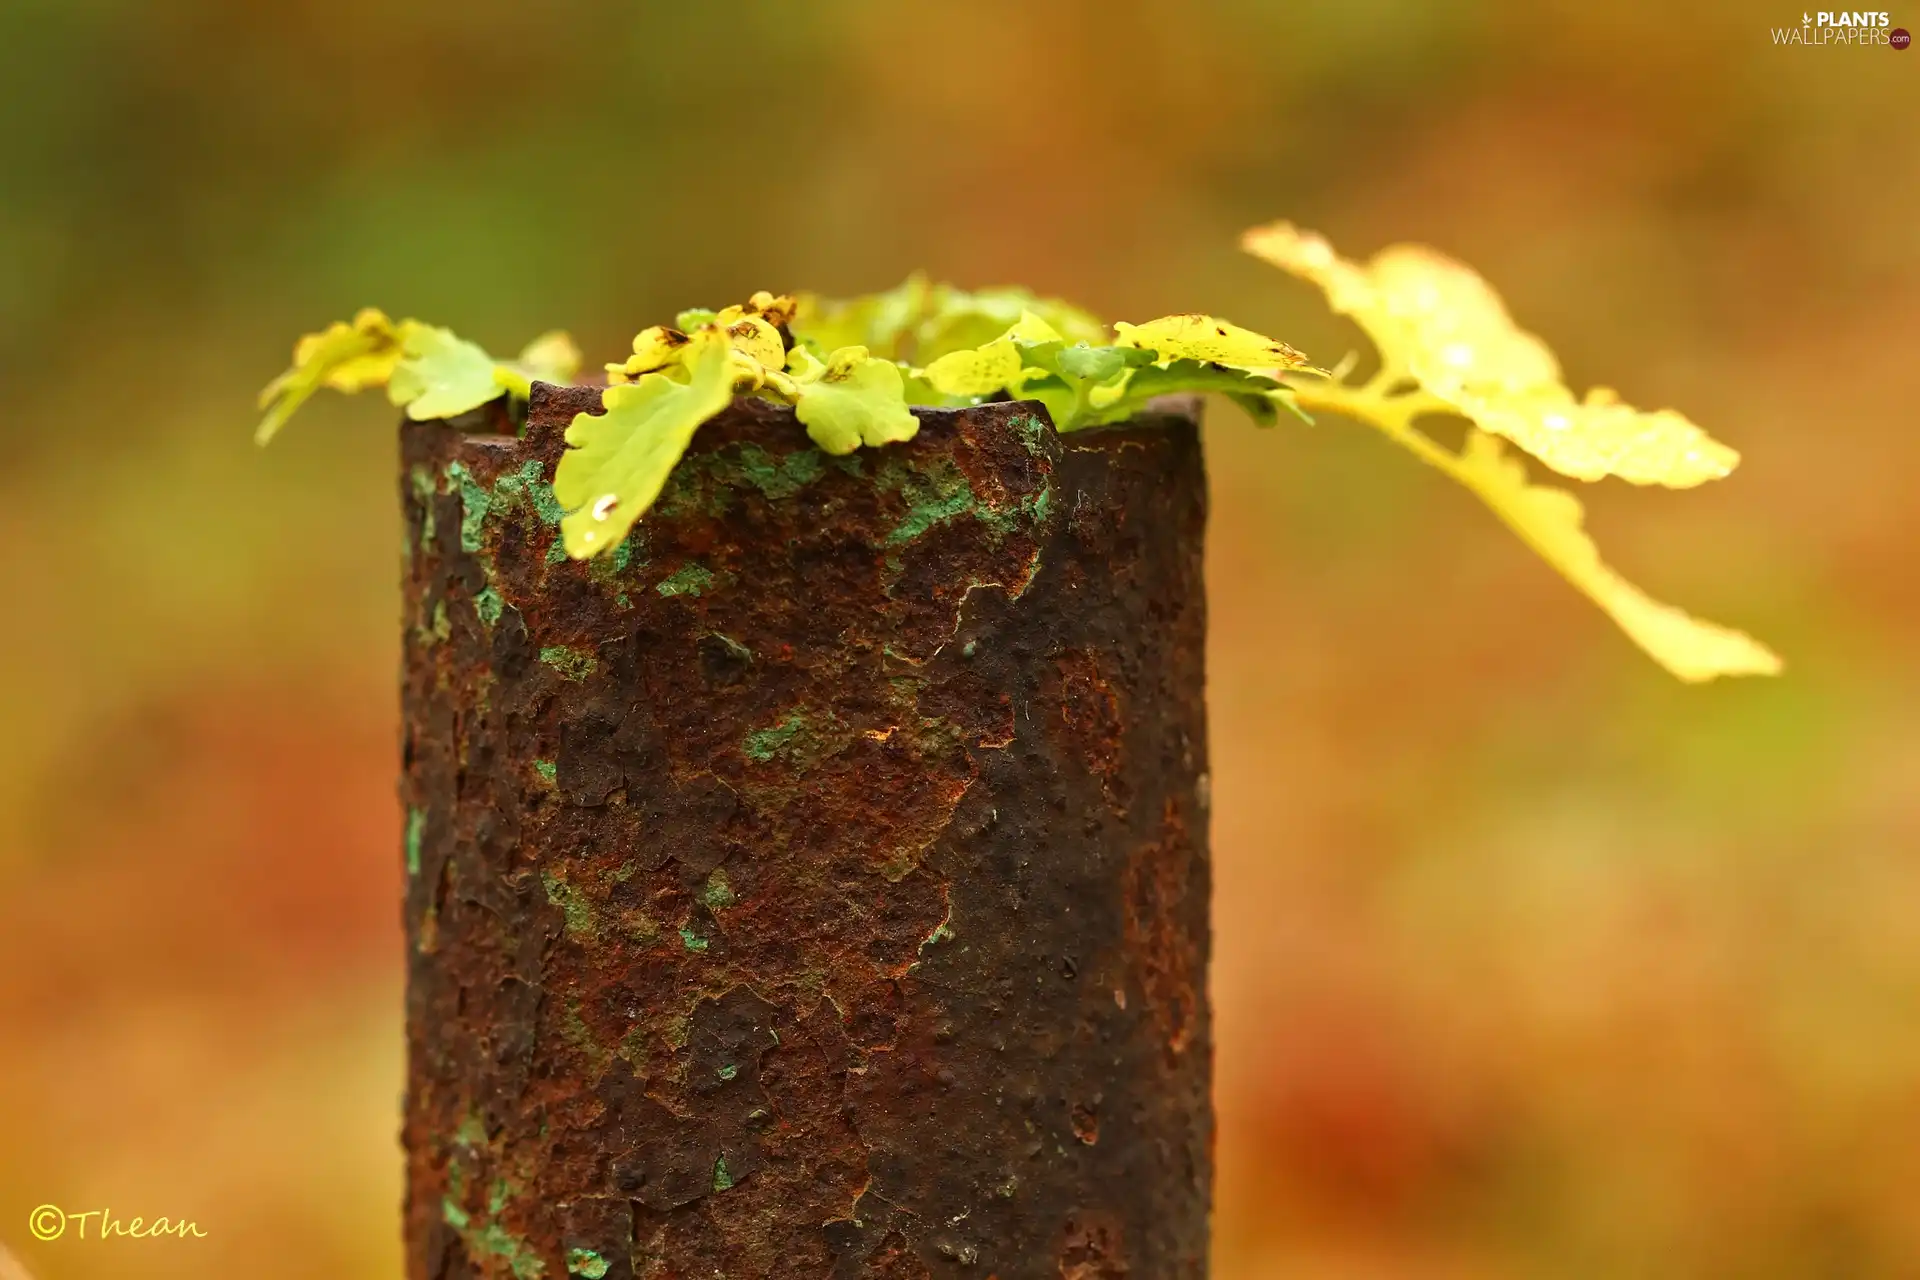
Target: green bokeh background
(1531,961)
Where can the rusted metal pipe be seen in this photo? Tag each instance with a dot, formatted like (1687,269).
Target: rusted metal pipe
(817,886)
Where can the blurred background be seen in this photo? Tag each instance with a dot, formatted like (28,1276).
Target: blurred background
(1532,962)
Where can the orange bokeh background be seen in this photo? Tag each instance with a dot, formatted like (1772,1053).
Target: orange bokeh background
(1531,962)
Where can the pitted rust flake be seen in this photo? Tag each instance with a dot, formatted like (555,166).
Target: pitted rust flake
(778,882)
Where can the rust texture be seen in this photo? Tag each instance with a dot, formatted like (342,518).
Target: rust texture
(816,886)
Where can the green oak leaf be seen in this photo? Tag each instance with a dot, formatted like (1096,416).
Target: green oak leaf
(1257,394)
(620,460)
(1099,364)
(441,376)
(960,319)
(858,399)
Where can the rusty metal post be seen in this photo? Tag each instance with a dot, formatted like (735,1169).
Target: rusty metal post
(818,886)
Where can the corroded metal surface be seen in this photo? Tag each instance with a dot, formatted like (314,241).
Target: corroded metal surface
(817,887)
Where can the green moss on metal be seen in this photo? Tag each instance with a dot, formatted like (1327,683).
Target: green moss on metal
(775,477)
(439,627)
(546,770)
(765,744)
(936,494)
(571,663)
(472,1131)
(475,503)
(527,485)
(488,605)
(718,894)
(424,489)
(416,831)
(587,1263)
(573,904)
(689,579)
(722,1180)
(691,940)
(491,1240)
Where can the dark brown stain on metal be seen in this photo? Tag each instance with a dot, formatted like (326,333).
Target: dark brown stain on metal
(1092,1248)
(777,882)
(1164,897)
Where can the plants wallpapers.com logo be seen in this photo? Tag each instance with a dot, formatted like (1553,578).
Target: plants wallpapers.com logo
(1845,29)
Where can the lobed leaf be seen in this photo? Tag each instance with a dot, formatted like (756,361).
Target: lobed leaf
(1209,341)
(439,375)
(1550,521)
(1256,393)
(346,356)
(551,357)
(654,349)
(981,371)
(619,460)
(879,322)
(856,399)
(1437,322)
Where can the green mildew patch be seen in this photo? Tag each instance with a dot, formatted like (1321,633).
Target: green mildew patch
(509,1248)
(691,940)
(610,569)
(940,492)
(585,1262)
(689,579)
(527,485)
(438,628)
(575,1031)
(774,477)
(718,893)
(546,770)
(493,1239)
(722,1180)
(934,497)
(1032,433)
(416,829)
(572,903)
(570,663)
(424,489)
(472,1132)
(729,1071)
(488,605)
(765,744)
(475,503)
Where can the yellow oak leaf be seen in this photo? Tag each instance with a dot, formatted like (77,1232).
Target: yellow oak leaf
(1210,341)
(1550,521)
(1437,322)
(346,356)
